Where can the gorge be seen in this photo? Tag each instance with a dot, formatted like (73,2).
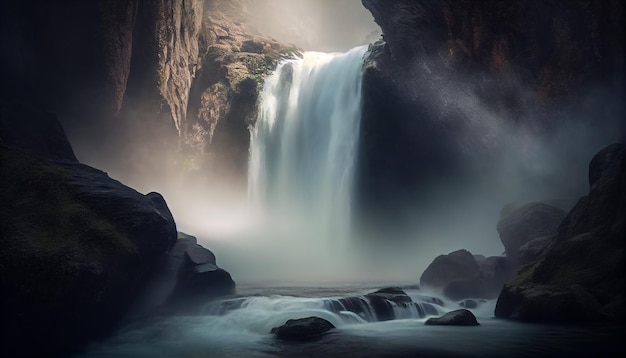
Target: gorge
(440,158)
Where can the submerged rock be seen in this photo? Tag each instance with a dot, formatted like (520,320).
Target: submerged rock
(303,329)
(460,317)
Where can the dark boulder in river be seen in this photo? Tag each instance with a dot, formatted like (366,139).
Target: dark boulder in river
(78,247)
(460,317)
(444,269)
(303,329)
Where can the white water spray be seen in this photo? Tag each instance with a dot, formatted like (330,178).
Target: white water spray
(304,145)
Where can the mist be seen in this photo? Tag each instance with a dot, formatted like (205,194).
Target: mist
(509,162)
(313,25)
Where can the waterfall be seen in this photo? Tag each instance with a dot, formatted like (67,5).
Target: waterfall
(304,145)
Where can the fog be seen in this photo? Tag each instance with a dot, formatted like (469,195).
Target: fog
(524,164)
(313,25)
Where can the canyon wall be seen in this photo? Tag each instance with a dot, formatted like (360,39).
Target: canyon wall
(137,79)
(467,73)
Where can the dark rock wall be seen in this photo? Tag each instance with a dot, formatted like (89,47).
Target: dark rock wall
(76,244)
(68,56)
(141,81)
(579,278)
(522,62)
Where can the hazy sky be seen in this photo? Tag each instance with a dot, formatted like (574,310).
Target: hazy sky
(314,25)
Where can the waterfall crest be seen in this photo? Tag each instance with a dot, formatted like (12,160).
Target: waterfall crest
(304,145)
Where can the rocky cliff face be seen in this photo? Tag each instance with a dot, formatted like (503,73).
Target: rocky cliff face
(460,70)
(579,277)
(223,97)
(176,79)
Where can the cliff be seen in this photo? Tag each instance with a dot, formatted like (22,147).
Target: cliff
(468,73)
(176,79)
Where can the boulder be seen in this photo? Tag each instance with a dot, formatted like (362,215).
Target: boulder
(303,329)
(521,224)
(79,248)
(187,275)
(384,305)
(577,279)
(460,317)
(460,276)
(383,300)
(77,245)
(444,269)
(474,287)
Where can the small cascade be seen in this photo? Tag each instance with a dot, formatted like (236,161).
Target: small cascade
(263,313)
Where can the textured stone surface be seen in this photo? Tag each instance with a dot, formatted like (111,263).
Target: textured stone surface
(77,245)
(460,317)
(303,329)
(447,268)
(521,224)
(577,278)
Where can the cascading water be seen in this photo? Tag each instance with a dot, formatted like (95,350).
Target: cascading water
(304,144)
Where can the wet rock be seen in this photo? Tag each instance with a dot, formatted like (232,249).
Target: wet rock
(460,317)
(444,269)
(382,302)
(186,277)
(303,329)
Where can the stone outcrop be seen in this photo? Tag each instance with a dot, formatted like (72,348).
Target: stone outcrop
(518,62)
(578,278)
(520,224)
(444,269)
(459,275)
(460,317)
(303,329)
(78,247)
(223,98)
(385,304)
(176,79)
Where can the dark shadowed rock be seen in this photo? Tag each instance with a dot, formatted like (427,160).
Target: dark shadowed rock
(385,304)
(183,281)
(460,317)
(460,276)
(35,133)
(303,329)
(447,268)
(520,224)
(474,287)
(579,277)
(531,251)
(77,247)
(382,302)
